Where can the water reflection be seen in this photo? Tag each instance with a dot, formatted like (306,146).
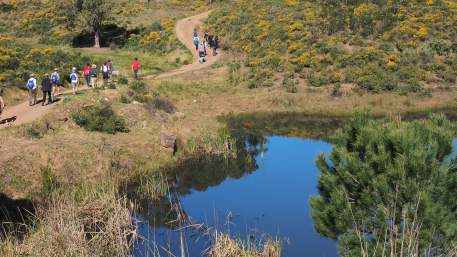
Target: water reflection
(264,190)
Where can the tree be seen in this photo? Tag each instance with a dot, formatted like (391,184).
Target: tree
(93,14)
(388,189)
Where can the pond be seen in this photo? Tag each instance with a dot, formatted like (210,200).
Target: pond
(264,192)
(249,200)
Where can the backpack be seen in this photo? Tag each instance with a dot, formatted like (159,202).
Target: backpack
(30,84)
(73,77)
(105,68)
(54,78)
(196,40)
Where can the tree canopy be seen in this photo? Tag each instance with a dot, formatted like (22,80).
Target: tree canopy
(389,187)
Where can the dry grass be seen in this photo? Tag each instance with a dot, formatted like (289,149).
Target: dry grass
(224,246)
(100,225)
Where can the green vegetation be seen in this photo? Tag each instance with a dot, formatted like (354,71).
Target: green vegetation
(100,118)
(388,188)
(19,60)
(378,46)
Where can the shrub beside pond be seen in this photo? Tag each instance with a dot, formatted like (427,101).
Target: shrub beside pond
(100,118)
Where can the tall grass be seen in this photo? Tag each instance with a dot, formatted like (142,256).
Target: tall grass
(225,246)
(90,221)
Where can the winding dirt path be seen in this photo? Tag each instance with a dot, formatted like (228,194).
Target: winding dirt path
(184,28)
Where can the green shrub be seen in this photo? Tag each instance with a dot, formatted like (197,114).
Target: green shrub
(100,118)
(383,177)
(123,81)
(125,99)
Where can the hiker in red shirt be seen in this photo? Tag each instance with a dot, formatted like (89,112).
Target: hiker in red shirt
(86,73)
(135,68)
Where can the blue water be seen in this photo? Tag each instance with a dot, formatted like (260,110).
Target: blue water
(273,200)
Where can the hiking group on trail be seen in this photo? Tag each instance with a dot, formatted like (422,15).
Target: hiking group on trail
(201,46)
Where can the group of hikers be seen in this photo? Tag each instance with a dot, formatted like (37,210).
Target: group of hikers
(209,41)
(51,84)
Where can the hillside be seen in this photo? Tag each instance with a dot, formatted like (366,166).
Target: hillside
(376,45)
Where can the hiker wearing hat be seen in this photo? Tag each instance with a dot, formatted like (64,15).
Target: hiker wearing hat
(74,79)
(46,87)
(55,80)
(93,76)
(32,87)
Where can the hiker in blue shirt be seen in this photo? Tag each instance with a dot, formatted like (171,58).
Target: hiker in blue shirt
(32,87)
(74,79)
(196,42)
(55,81)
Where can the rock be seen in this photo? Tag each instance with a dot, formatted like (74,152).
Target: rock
(168,141)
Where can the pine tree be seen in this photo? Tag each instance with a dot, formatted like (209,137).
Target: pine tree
(388,189)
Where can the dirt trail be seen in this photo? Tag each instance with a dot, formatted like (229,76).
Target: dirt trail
(184,28)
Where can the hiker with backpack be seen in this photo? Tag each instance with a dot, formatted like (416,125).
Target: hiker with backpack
(32,87)
(86,74)
(136,68)
(74,80)
(55,80)
(46,87)
(196,43)
(93,76)
(201,53)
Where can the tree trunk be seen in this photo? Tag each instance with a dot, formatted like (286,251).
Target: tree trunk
(97,39)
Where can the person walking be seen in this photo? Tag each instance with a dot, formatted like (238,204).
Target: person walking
(74,80)
(105,73)
(210,41)
(93,76)
(110,68)
(2,102)
(201,53)
(195,33)
(46,87)
(55,80)
(196,43)
(136,68)
(32,87)
(86,74)
(215,45)
(205,46)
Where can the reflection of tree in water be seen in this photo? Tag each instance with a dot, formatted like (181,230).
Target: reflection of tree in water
(291,124)
(200,173)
